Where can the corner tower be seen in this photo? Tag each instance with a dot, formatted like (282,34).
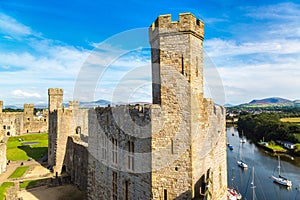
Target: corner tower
(1,106)
(183,121)
(55,98)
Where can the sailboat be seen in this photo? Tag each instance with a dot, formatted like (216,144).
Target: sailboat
(232,192)
(240,162)
(280,179)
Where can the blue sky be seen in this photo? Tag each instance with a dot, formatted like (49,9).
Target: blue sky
(254,45)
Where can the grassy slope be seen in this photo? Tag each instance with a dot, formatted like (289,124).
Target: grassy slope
(17,151)
(3,189)
(19,172)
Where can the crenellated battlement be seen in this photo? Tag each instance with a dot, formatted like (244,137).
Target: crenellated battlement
(55,91)
(187,23)
(28,106)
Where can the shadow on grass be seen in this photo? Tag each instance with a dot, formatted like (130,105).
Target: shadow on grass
(36,153)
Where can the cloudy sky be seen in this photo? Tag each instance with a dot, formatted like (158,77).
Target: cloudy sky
(253,45)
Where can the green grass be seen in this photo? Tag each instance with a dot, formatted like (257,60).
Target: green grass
(17,151)
(3,188)
(20,171)
(276,147)
(30,183)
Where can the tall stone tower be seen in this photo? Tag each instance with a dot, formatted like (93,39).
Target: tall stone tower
(188,157)
(1,106)
(55,98)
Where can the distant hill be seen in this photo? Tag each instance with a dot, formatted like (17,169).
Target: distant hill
(91,104)
(272,100)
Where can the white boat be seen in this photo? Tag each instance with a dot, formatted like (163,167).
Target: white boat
(240,162)
(280,179)
(233,194)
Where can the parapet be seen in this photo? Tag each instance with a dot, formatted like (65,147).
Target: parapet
(28,106)
(74,104)
(187,23)
(55,91)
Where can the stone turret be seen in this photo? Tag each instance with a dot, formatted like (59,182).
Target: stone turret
(1,106)
(55,96)
(189,125)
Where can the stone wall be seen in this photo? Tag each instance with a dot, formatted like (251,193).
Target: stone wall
(63,122)
(112,172)
(19,123)
(75,161)
(3,160)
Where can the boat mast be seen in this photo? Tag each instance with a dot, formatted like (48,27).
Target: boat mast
(252,183)
(279,165)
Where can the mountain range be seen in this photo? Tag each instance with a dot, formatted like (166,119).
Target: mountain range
(272,101)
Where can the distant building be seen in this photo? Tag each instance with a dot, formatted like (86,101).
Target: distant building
(286,144)
(297,103)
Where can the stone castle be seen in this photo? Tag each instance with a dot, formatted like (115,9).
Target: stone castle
(174,148)
(19,123)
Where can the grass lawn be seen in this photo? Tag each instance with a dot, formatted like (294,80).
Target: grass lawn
(292,119)
(19,172)
(3,189)
(16,150)
(277,148)
(30,183)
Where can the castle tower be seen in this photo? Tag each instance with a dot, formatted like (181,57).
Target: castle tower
(55,98)
(1,106)
(183,119)
(28,112)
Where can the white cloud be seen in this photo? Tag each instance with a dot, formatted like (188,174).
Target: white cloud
(10,26)
(23,94)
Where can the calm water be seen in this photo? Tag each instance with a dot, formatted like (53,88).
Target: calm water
(265,164)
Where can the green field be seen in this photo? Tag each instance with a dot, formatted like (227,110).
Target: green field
(3,188)
(292,119)
(276,148)
(19,172)
(16,150)
(30,183)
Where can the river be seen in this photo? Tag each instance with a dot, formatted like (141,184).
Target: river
(265,165)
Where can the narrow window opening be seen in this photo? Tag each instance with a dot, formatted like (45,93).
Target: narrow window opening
(115,186)
(114,151)
(172,146)
(126,190)
(182,65)
(197,67)
(130,157)
(103,147)
(165,194)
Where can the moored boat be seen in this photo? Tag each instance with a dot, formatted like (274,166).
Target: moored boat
(280,179)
